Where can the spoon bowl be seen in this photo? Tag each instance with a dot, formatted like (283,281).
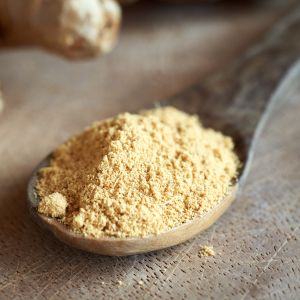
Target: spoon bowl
(233,102)
(121,246)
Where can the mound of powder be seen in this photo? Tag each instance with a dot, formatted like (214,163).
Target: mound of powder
(136,175)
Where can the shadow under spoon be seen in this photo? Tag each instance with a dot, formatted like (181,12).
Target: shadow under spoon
(233,102)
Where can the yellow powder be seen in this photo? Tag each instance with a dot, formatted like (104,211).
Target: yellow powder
(140,282)
(136,175)
(207,251)
(53,205)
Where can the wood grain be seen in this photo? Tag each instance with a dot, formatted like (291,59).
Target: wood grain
(48,99)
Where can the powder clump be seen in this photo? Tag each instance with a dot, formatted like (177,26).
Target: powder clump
(207,251)
(53,205)
(136,175)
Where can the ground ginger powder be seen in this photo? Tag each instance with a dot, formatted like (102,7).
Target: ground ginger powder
(136,175)
(207,251)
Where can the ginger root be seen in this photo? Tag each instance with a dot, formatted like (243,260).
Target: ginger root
(74,28)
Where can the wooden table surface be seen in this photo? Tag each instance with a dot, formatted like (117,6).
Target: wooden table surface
(163,49)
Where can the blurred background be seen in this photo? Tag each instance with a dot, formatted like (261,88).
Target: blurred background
(163,48)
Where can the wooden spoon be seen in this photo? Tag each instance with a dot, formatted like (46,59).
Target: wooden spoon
(231,101)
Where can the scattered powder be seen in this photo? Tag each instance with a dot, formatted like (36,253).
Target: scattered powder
(140,282)
(207,251)
(121,283)
(136,175)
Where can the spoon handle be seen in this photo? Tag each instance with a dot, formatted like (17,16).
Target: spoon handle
(234,99)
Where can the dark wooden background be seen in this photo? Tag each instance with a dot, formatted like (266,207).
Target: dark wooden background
(163,49)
